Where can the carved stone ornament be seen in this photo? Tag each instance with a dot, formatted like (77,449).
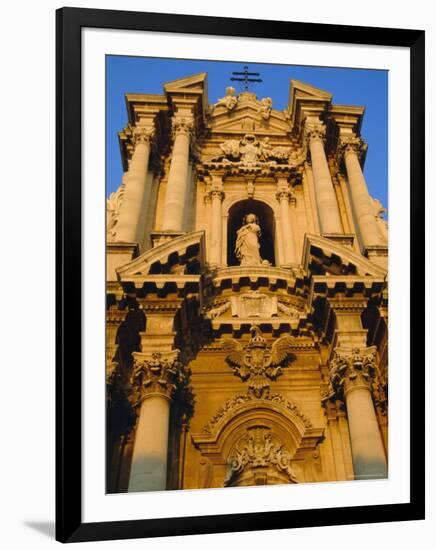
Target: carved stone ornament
(265,108)
(259,450)
(350,367)
(240,398)
(229,100)
(249,151)
(142,134)
(182,125)
(113,205)
(253,304)
(351,144)
(258,363)
(161,373)
(314,131)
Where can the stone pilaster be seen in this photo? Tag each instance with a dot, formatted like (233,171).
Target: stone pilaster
(134,187)
(284,195)
(326,201)
(215,196)
(352,371)
(177,186)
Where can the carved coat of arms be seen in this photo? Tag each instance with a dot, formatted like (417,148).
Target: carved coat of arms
(258,362)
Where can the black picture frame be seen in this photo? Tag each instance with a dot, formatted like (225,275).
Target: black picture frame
(69,22)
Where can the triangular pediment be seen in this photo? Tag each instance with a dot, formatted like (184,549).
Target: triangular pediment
(193,83)
(323,256)
(247,118)
(179,257)
(306,99)
(302,90)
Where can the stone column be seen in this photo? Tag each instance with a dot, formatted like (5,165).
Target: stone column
(155,379)
(134,187)
(284,196)
(177,185)
(352,148)
(326,201)
(215,197)
(352,371)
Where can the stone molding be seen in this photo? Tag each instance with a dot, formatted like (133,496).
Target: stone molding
(229,409)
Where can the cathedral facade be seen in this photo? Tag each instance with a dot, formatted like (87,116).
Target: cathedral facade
(247,291)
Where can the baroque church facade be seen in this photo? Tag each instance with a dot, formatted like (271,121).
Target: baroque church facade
(247,290)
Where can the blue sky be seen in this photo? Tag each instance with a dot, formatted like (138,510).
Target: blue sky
(348,86)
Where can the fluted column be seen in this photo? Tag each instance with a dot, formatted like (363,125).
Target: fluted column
(363,206)
(134,183)
(177,185)
(326,201)
(352,372)
(155,379)
(283,196)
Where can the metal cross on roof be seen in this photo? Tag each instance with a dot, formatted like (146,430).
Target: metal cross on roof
(246,78)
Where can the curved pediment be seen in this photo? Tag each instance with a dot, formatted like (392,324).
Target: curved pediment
(323,256)
(181,256)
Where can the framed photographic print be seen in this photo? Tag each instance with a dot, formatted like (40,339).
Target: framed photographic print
(231,306)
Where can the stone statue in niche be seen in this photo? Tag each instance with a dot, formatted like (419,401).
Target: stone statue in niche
(247,248)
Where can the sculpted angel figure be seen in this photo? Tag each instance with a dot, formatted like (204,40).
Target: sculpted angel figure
(229,100)
(265,107)
(231,148)
(259,362)
(247,241)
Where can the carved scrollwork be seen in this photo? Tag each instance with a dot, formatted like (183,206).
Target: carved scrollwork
(350,367)
(249,151)
(259,449)
(161,373)
(351,144)
(113,205)
(314,131)
(241,398)
(142,134)
(182,125)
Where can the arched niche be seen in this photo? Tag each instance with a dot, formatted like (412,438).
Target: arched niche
(261,437)
(267,223)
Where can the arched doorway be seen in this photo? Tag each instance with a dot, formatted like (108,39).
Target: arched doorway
(266,221)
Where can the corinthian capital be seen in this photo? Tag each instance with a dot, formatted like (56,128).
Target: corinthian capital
(162,373)
(351,144)
(350,368)
(142,134)
(314,131)
(182,125)
(284,194)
